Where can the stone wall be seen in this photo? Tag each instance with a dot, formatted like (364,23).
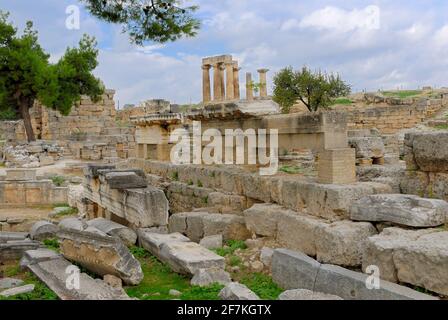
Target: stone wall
(390,119)
(426,156)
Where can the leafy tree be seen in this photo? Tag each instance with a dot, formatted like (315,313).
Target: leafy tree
(144,20)
(27,75)
(315,89)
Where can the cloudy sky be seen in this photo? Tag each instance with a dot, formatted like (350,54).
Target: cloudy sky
(376,44)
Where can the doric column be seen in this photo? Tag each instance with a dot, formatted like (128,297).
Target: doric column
(249,88)
(217,82)
(230,90)
(222,67)
(236,81)
(263,83)
(206,90)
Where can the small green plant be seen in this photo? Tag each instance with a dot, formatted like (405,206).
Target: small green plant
(262,285)
(52,244)
(230,247)
(441,127)
(58,180)
(7,113)
(190,182)
(200,185)
(213,174)
(68,211)
(205,200)
(234,261)
(175,176)
(139,252)
(291,169)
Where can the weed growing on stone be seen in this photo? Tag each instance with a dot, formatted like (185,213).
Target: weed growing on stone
(52,244)
(200,185)
(230,247)
(291,169)
(175,176)
(58,181)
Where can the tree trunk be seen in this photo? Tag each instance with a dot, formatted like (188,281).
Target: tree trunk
(24,108)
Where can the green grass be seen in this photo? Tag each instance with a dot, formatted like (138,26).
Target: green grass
(52,244)
(159,280)
(262,285)
(58,180)
(232,246)
(343,101)
(175,176)
(441,127)
(199,184)
(69,211)
(234,261)
(40,292)
(291,169)
(402,94)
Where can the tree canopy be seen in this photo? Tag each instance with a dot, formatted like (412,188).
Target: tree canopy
(314,89)
(147,20)
(27,75)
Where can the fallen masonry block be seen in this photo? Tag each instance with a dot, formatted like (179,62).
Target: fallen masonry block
(35,256)
(20,174)
(416,257)
(92,170)
(153,241)
(11,236)
(13,250)
(55,274)
(303,294)
(188,257)
(8,283)
(127,235)
(17,290)
(294,270)
(262,219)
(42,230)
(72,224)
(212,242)
(408,210)
(125,180)
(100,254)
(351,285)
(237,291)
(207,277)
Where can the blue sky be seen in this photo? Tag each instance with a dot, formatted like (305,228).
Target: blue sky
(377,44)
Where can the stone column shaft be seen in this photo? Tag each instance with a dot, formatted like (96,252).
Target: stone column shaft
(206,89)
(236,82)
(217,83)
(249,88)
(263,83)
(230,89)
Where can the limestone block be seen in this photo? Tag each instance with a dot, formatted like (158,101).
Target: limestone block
(42,230)
(292,270)
(72,224)
(20,174)
(401,209)
(212,242)
(127,235)
(100,254)
(303,294)
(188,257)
(17,290)
(430,150)
(231,227)
(337,166)
(8,283)
(237,291)
(153,241)
(13,250)
(207,277)
(343,242)
(262,219)
(125,180)
(12,236)
(367,147)
(35,256)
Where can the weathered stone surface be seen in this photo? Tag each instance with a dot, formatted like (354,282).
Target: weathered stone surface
(262,219)
(127,235)
(230,226)
(113,281)
(17,290)
(351,285)
(367,147)
(237,291)
(402,209)
(20,174)
(303,294)
(13,250)
(72,224)
(153,241)
(429,150)
(415,257)
(298,231)
(8,283)
(266,256)
(187,257)
(54,274)
(343,242)
(207,277)
(125,180)
(100,254)
(292,270)
(39,255)
(212,242)
(42,230)
(12,236)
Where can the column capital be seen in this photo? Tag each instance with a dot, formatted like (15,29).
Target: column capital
(263,70)
(206,66)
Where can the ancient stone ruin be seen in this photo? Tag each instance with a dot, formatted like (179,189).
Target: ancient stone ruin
(356,209)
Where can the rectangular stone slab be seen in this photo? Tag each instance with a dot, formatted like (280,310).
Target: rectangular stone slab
(54,274)
(125,180)
(14,250)
(407,210)
(188,257)
(11,236)
(153,241)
